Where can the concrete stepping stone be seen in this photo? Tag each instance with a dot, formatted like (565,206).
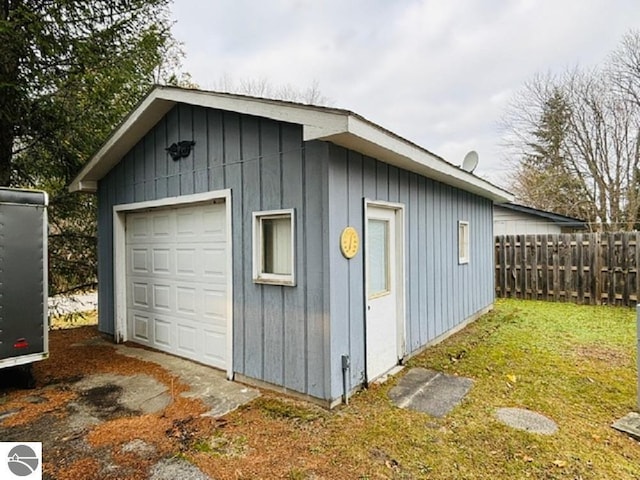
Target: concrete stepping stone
(175,468)
(140,447)
(429,391)
(523,419)
(9,413)
(629,424)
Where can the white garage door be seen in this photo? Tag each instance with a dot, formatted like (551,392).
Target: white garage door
(177,281)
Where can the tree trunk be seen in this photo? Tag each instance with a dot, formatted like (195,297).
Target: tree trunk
(9,102)
(6,152)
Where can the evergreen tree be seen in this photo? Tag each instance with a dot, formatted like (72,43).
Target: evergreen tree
(544,178)
(69,72)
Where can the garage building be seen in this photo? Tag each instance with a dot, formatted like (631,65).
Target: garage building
(297,247)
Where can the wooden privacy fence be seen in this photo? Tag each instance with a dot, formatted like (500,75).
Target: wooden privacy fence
(591,268)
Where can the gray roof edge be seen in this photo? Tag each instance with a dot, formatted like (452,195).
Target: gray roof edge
(555,217)
(82,183)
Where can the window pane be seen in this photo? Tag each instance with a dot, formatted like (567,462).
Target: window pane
(463,242)
(276,245)
(377,246)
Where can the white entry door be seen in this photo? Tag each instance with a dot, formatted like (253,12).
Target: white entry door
(177,281)
(384,290)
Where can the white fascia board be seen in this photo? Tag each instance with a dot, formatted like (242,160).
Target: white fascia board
(314,119)
(371,140)
(317,123)
(123,139)
(338,126)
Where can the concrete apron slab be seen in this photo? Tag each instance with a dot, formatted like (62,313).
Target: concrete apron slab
(141,393)
(206,383)
(429,391)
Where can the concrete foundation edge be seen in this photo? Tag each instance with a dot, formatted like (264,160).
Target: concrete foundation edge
(447,334)
(330,404)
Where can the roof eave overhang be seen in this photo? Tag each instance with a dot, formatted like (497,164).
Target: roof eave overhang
(123,139)
(316,124)
(371,140)
(337,126)
(561,220)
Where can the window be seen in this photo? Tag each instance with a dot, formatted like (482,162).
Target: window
(378,257)
(463,242)
(273,247)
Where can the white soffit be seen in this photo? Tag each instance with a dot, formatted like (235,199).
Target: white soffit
(374,141)
(319,123)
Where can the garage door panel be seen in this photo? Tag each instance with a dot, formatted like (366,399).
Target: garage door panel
(162,331)
(213,222)
(214,263)
(161,261)
(140,327)
(187,336)
(139,263)
(186,261)
(187,223)
(215,347)
(215,304)
(140,294)
(162,297)
(161,226)
(139,228)
(177,281)
(186,298)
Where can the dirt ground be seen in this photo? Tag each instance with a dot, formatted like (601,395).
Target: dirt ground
(90,434)
(572,371)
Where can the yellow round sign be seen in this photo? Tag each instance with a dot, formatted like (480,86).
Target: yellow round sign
(349,242)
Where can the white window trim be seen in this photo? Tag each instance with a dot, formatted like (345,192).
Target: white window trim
(288,280)
(464,259)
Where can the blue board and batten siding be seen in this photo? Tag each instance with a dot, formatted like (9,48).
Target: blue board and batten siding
(295,336)
(279,332)
(440,294)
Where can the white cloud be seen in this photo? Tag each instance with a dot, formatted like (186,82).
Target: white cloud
(438,73)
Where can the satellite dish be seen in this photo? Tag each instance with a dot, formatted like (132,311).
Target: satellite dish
(470,161)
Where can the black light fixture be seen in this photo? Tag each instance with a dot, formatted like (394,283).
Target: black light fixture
(181,149)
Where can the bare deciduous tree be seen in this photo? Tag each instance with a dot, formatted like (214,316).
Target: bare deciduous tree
(576,141)
(261,87)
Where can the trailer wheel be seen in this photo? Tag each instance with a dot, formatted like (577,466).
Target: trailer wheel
(27,379)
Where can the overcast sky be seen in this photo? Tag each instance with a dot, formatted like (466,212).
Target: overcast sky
(437,72)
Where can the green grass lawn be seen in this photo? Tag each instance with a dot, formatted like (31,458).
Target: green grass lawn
(574,364)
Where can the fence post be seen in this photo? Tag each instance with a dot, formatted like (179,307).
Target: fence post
(556,266)
(503,268)
(636,249)
(638,349)
(521,268)
(597,267)
(625,269)
(579,277)
(511,273)
(544,253)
